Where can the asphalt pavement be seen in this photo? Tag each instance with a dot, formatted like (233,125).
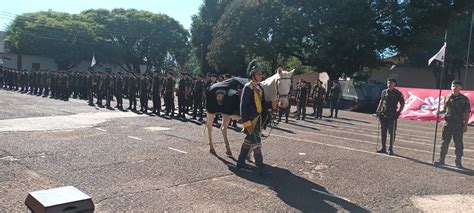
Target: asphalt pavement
(132,161)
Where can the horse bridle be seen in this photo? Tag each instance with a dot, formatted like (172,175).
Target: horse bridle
(278,90)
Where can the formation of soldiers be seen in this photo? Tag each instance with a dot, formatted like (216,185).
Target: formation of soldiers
(98,87)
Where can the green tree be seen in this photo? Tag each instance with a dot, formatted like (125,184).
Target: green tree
(201,30)
(416,32)
(68,39)
(139,37)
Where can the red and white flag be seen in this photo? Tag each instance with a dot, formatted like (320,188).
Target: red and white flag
(439,56)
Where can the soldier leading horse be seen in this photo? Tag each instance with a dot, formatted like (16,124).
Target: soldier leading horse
(224,98)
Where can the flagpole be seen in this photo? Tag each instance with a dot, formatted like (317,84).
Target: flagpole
(439,98)
(468,49)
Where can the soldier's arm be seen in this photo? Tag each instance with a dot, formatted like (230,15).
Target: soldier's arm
(402,103)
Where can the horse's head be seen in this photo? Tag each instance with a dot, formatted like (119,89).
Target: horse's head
(283,87)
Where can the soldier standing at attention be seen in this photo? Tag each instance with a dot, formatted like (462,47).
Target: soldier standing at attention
(90,86)
(335,94)
(318,99)
(132,92)
(183,90)
(198,94)
(144,89)
(156,92)
(457,110)
(303,98)
(169,89)
(109,89)
(119,88)
(388,113)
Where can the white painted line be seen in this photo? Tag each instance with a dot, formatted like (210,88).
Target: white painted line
(100,129)
(330,145)
(362,141)
(157,128)
(135,138)
(177,150)
(331,195)
(301,153)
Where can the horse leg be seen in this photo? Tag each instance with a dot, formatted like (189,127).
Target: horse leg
(225,124)
(209,119)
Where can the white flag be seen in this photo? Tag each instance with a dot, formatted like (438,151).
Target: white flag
(439,56)
(93,60)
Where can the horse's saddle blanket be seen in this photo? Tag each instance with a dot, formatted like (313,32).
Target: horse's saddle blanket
(224,96)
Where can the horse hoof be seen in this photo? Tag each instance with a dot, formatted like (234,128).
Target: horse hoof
(228,153)
(212,151)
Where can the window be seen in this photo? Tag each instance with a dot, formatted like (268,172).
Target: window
(35,66)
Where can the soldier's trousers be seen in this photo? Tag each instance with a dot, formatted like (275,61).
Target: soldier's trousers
(301,108)
(454,131)
(119,97)
(252,141)
(181,103)
(283,111)
(334,107)
(156,104)
(198,105)
(144,100)
(108,99)
(91,97)
(169,103)
(318,108)
(132,100)
(388,124)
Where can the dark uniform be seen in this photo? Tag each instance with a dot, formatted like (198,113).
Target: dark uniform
(183,89)
(168,93)
(388,115)
(119,88)
(335,94)
(144,90)
(318,100)
(303,97)
(455,107)
(132,92)
(109,89)
(156,94)
(198,94)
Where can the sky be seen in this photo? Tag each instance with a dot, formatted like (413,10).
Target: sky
(181,10)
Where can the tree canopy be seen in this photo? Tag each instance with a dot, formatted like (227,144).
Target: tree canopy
(126,38)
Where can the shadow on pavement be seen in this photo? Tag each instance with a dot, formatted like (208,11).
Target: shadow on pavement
(284,130)
(308,127)
(323,124)
(351,119)
(296,191)
(464,171)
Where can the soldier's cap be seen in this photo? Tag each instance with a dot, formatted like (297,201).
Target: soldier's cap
(184,73)
(392,80)
(213,75)
(199,74)
(457,82)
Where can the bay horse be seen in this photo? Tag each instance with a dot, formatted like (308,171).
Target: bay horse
(276,89)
